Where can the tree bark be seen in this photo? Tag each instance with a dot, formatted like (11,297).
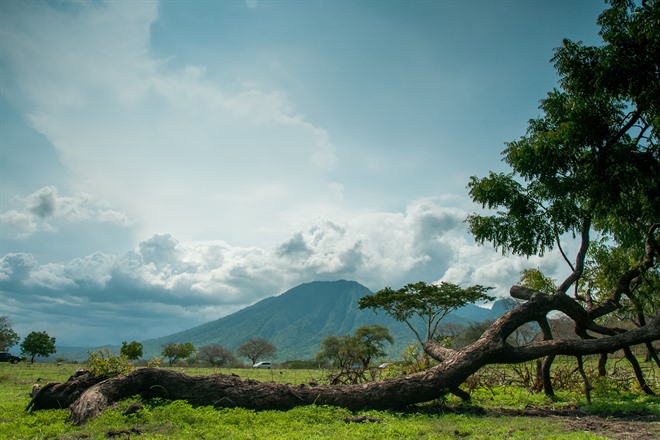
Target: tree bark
(602,365)
(639,374)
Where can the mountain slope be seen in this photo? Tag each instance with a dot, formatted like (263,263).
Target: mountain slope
(299,319)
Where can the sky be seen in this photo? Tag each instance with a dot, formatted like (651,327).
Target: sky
(164,164)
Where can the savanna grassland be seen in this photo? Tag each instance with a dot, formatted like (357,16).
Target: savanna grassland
(501,407)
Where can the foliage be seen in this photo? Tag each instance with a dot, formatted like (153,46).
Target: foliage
(175,351)
(155,362)
(588,166)
(537,280)
(132,351)
(413,361)
(216,355)
(8,337)
(102,363)
(351,356)
(430,302)
(255,349)
(38,344)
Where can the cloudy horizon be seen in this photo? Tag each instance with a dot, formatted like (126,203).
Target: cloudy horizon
(165,164)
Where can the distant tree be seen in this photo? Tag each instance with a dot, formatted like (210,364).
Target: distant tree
(132,350)
(216,355)
(351,356)
(38,344)
(174,351)
(429,302)
(255,349)
(371,340)
(8,337)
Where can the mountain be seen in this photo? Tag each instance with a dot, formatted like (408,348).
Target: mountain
(299,319)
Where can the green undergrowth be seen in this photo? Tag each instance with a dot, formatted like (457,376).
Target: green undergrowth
(160,419)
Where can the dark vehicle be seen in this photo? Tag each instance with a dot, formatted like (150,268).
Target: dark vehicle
(8,357)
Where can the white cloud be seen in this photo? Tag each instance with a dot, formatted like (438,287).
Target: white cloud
(205,280)
(45,209)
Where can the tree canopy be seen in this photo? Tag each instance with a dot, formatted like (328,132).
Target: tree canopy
(38,344)
(175,351)
(428,302)
(132,350)
(588,168)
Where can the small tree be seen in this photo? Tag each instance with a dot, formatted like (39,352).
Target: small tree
(429,302)
(351,356)
(132,351)
(216,355)
(174,351)
(38,344)
(256,348)
(8,337)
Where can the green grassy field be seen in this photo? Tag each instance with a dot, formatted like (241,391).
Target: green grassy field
(496,412)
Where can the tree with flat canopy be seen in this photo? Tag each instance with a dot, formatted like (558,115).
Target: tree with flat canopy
(588,166)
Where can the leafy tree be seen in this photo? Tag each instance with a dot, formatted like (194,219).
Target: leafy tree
(256,348)
(371,340)
(216,355)
(351,356)
(132,350)
(589,165)
(175,351)
(8,337)
(429,302)
(38,344)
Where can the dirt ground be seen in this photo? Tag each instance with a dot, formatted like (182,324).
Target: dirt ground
(621,427)
(624,426)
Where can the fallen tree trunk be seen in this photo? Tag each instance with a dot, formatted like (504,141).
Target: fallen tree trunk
(455,367)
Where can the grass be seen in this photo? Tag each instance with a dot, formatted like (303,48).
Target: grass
(178,420)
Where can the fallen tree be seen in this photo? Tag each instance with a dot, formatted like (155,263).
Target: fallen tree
(90,398)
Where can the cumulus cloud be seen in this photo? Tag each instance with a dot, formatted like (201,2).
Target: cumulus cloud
(204,280)
(44,209)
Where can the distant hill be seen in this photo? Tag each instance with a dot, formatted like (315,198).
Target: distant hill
(299,319)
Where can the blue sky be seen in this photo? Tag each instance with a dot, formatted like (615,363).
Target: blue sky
(165,164)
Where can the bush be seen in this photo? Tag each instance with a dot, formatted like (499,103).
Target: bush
(102,363)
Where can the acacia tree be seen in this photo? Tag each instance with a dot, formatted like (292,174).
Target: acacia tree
(38,344)
(428,302)
(256,348)
(589,165)
(8,337)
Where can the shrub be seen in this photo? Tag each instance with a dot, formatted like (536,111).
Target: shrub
(103,363)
